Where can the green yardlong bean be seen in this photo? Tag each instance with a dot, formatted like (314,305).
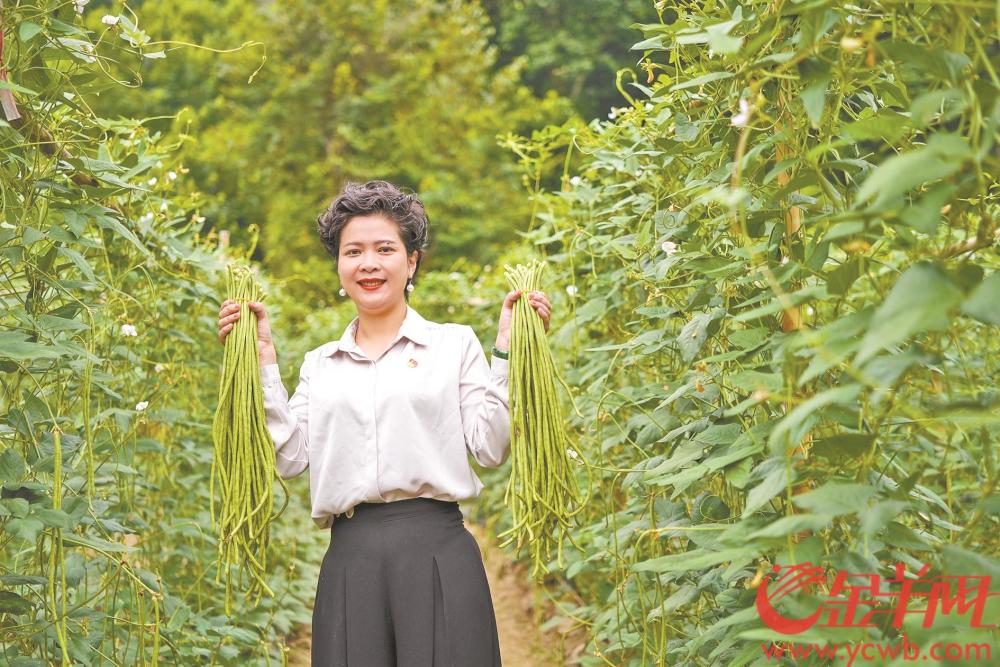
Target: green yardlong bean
(542,492)
(244,459)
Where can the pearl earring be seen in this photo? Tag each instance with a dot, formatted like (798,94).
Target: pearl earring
(409,285)
(343,292)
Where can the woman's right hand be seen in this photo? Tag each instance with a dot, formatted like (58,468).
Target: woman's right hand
(230,312)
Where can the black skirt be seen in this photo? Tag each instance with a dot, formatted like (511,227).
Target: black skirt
(403,585)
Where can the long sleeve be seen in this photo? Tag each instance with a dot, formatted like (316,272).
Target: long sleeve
(287,419)
(483,397)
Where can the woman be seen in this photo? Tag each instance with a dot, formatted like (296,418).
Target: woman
(384,419)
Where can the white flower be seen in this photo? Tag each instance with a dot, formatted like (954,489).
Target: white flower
(141,405)
(454,275)
(570,452)
(809,311)
(574,181)
(648,106)
(669,247)
(158,368)
(108,19)
(152,181)
(615,112)
(784,260)
(163,206)
(146,217)
(851,44)
(172,175)
(742,119)
(79,5)
(638,173)
(129,330)
(571,290)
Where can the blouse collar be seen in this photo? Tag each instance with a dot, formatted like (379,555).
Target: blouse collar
(414,327)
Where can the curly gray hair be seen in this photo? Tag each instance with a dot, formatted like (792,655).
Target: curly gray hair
(373,197)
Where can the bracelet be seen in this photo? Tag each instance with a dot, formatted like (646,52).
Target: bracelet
(502,354)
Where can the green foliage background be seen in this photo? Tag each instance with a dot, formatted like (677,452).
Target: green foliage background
(774,276)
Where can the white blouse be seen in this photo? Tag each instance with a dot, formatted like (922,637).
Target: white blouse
(400,426)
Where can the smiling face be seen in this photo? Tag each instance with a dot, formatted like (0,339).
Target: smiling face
(372,263)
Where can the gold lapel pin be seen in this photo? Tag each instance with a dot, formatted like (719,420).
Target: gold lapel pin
(412,363)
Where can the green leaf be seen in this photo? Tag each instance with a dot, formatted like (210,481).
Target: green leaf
(27,528)
(701,80)
(694,560)
(835,499)
(9,85)
(898,535)
(984,302)
(17,507)
(682,480)
(718,434)
(12,466)
(32,236)
(241,635)
(51,323)
(14,345)
(888,126)
(776,305)
(26,30)
(818,76)
(80,262)
(843,445)
(879,515)
(54,518)
(941,157)
(96,543)
(958,561)
(737,452)
(653,43)
(840,279)
(12,603)
(793,427)
(684,131)
(833,342)
(108,221)
(692,337)
(723,43)
(919,301)
(925,107)
(753,380)
(773,484)
(925,214)
(23,580)
(792,524)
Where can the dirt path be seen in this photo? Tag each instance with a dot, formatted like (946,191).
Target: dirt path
(520,612)
(519,615)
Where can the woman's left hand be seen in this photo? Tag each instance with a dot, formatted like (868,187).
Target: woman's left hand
(536,300)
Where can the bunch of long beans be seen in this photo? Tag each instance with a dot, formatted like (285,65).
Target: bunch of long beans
(542,491)
(244,451)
